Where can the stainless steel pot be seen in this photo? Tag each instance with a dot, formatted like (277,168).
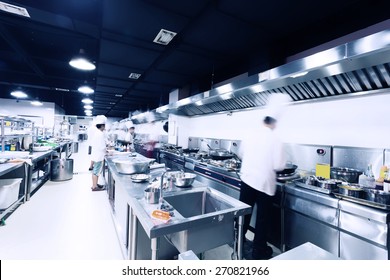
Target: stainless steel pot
(220,154)
(330,184)
(345,174)
(352,190)
(152,195)
(378,196)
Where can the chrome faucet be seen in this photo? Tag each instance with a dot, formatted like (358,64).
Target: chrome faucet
(162,186)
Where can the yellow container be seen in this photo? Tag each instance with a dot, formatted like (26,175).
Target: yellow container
(323,170)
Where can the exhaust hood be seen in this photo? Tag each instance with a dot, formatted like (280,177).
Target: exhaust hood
(358,67)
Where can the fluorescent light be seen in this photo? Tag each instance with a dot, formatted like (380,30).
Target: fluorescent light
(36,103)
(19,94)
(88,107)
(88,111)
(85,89)
(88,114)
(14,9)
(87,101)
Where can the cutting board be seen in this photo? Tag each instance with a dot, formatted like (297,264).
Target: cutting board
(323,170)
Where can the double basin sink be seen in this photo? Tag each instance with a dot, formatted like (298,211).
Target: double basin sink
(203,219)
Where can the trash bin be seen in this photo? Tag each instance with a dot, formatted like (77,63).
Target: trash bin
(9,192)
(61,169)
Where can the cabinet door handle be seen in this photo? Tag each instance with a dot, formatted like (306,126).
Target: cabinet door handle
(207,173)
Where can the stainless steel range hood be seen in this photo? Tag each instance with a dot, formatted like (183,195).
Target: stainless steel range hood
(360,66)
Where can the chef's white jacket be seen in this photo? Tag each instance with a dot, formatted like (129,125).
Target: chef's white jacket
(98,144)
(262,155)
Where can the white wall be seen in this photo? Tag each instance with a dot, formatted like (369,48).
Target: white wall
(359,121)
(41,115)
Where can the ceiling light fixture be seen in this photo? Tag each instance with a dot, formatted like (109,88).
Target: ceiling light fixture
(86,89)
(87,101)
(164,37)
(88,107)
(19,94)
(88,114)
(134,76)
(81,62)
(14,9)
(88,111)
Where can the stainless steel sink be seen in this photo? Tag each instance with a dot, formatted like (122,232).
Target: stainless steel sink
(204,218)
(190,204)
(212,214)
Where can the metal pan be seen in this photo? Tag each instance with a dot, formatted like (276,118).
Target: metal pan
(288,169)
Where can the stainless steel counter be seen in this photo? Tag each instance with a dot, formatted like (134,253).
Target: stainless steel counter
(138,213)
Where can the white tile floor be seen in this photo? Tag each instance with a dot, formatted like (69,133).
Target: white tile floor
(62,220)
(67,221)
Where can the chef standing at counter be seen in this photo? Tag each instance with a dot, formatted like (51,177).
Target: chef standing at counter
(98,144)
(262,156)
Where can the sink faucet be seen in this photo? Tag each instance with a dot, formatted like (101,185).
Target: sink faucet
(162,186)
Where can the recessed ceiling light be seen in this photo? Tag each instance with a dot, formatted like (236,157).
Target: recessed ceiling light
(36,103)
(14,9)
(88,107)
(86,89)
(87,101)
(88,114)
(118,95)
(88,111)
(134,76)
(164,37)
(19,94)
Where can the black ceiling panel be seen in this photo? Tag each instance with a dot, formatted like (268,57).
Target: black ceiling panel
(215,41)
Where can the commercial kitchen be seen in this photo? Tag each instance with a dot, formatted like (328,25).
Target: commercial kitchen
(172,191)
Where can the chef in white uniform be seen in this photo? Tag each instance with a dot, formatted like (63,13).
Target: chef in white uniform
(98,151)
(262,155)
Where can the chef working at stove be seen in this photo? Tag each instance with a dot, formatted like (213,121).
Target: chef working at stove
(262,155)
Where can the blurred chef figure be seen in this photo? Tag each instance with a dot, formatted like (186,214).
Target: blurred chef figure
(98,151)
(91,130)
(262,155)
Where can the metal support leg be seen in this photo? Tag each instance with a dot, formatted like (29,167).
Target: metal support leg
(154,246)
(133,236)
(240,237)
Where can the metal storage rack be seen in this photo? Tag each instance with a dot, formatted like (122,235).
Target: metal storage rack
(14,128)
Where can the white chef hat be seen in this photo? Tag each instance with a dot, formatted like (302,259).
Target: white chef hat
(276,105)
(100,119)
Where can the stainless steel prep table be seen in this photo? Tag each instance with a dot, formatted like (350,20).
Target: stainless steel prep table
(129,212)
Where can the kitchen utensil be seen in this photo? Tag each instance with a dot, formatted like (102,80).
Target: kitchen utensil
(138,178)
(345,174)
(353,190)
(377,196)
(329,184)
(184,180)
(132,165)
(220,154)
(288,169)
(152,195)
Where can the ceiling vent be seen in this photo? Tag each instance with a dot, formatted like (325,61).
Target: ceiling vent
(164,37)
(134,76)
(13,9)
